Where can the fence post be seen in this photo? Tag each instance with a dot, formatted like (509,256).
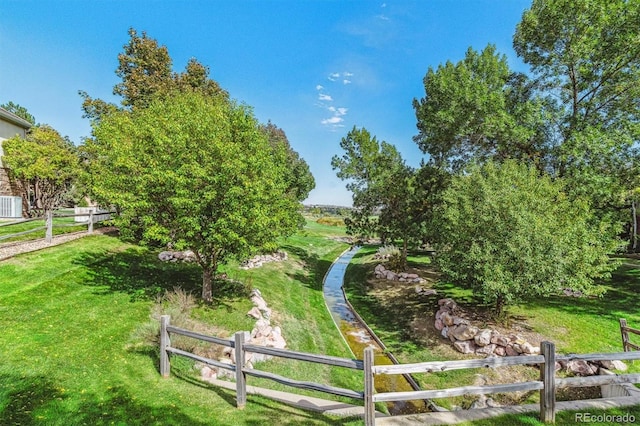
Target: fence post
(369,407)
(48,218)
(241,384)
(165,342)
(548,377)
(625,334)
(90,228)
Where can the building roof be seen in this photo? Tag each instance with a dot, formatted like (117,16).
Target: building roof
(14,119)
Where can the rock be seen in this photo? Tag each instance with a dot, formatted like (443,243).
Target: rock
(580,368)
(207,373)
(391,276)
(445,332)
(259,302)
(464,332)
(255,313)
(499,351)
(483,337)
(529,349)
(487,349)
(429,292)
(614,365)
(459,320)
(165,256)
(447,303)
(447,319)
(500,340)
(223,373)
(481,402)
(509,351)
(439,325)
(516,347)
(266,312)
(466,346)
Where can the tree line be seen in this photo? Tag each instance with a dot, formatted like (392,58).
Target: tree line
(532,180)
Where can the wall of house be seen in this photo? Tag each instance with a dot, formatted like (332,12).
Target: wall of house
(8,130)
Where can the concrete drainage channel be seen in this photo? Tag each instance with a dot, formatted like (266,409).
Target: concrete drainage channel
(359,336)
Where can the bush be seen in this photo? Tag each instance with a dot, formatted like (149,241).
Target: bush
(331,221)
(510,234)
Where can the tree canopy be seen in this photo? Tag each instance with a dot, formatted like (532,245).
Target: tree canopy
(510,234)
(195,171)
(45,163)
(20,111)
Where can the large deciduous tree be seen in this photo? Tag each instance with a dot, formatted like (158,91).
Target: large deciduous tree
(382,185)
(196,171)
(586,56)
(478,109)
(146,72)
(300,180)
(45,163)
(510,234)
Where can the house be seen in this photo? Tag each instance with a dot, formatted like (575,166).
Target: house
(10,126)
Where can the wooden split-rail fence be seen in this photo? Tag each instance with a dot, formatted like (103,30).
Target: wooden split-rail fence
(88,218)
(547,384)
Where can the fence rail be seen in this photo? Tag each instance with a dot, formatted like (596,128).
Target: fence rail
(92,217)
(547,385)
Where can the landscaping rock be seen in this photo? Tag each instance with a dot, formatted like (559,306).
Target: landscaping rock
(483,337)
(614,365)
(486,350)
(464,332)
(580,368)
(255,313)
(466,346)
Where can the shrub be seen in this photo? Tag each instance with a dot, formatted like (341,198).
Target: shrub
(331,221)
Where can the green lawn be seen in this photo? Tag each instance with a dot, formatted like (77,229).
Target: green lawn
(576,325)
(69,314)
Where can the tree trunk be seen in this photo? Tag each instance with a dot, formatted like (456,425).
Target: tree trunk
(207,284)
(634,222)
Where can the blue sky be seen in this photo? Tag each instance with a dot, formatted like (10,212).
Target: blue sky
(314,68)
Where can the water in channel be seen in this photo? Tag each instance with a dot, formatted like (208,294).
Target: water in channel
(358,336)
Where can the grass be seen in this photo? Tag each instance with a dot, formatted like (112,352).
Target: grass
(69,314)
(404,322)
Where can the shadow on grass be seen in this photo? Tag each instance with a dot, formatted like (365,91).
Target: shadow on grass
(35,400)
(314,267)
(622,294)
(139,273)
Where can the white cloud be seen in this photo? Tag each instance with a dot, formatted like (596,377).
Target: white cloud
(332,120)
(319,87)
(341,111)
(345,81)
(324,97)
(347,74)
(334,76)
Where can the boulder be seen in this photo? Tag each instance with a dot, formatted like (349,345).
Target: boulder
(445,332)
(499,351)
(464,332)
(255,313)
(483,338)
(466,346)
(487,349)
(439,325)
(580,368)
(614,365)
(447,319)
(529,349)
(499,340)
(509,351)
